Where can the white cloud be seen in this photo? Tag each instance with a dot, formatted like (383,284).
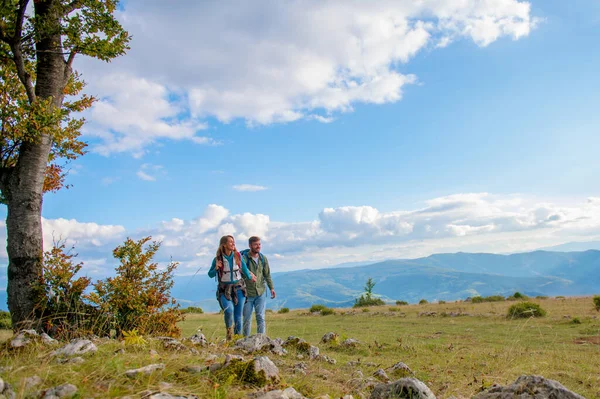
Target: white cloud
(478,222)
(248,187)
(149,172)
(272,62)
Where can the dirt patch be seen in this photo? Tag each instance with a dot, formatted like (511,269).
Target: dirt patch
(588,340)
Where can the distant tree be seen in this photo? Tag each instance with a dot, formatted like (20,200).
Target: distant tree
(38,133)
(369,285)
(596,300)
(367,298)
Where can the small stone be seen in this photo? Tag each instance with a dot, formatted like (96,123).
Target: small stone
(194,369)
(164,385)
(313,352)
(199,339)
(265,365)
(400,368)
(48,340)
(288,393)
(61,391)
(381,375)
(120,351)
(350,343)
(330,336)
(210,358)
(153,353)
(144,370)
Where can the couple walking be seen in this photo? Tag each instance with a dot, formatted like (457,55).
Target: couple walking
(242,277)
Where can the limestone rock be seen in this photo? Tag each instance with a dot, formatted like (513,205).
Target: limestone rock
(61,391)
(404,388)
(23,338)
(288,393)
(350,343)
(260,342)
(163,395)
(77,347)
(381,375)
(400,368)
(529,387)
(330,336)
(199,339)
(149,369)
(48,340)
(194,369)
(263,364)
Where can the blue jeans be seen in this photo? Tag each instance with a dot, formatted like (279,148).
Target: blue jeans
(257,303)
(233,313)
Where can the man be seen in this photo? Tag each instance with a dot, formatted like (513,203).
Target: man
(256,291)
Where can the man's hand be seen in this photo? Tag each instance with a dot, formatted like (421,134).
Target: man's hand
(253,277)
(273,294)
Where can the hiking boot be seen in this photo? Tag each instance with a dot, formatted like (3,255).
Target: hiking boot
(229,333)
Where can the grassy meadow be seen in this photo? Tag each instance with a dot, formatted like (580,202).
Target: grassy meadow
(455,356)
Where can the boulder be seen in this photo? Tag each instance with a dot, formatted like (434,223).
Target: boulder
(260,342)
(404,388)
(163,395)
(350,343)
(77,347)
(529,387)
(23,338)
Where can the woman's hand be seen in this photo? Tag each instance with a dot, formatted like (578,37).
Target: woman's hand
(219,265)
(253,277)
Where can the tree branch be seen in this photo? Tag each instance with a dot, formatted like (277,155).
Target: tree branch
(20,20)
(69,62)
(15,46)
(74,5)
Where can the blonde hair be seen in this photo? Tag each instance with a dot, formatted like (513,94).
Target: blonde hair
(221,250)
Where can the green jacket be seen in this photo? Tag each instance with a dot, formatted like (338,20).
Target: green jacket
(262,273)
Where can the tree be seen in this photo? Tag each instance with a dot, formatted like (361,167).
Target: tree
(369,285)
(38,132)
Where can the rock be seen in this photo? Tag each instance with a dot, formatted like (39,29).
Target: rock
(400,368)
(153,353)
(313,352)
(529,387)
(428,314)
(73,360)
(300,368)
(164,385)
(175,345)
(149,369)
(2,385)
(326,358)
(231,358)
(163,395)
(350,343)
(264,365)
(48,340)
(77,347)
(194,369)
(210,358)
(23,338)
(260,342)
(381,375)
(120,351)
(199,339)
(408,388)
(358,374)
(288,393)
(330,336)
(61,391)
(6,390)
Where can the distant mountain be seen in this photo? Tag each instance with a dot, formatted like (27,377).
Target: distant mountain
(574,246)
(436,277)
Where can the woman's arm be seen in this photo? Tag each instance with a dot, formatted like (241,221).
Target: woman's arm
(213,269)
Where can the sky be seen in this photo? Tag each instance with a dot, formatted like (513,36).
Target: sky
(338,131)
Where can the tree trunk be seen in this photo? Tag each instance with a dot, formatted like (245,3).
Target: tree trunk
(26,182)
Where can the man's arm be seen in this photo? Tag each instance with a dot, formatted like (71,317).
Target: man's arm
(267,276)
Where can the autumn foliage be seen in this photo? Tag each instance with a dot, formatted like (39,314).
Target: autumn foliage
(138,297)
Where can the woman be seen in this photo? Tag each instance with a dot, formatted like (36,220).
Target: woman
(228,265)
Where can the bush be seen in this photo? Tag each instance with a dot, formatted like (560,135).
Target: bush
(517,296)
(393,309)
(423,301)
(138,297)
(525,310)
(192,309)
(327,311)
(493,298)
(367,300)
(284,310)
(401,303)
(596,300)
(59,296)
(5,321)
(441,302)
(365,310)
(317,308)
(575,320)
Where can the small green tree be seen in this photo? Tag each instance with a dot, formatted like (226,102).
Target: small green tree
(138,297)
(596,300)
(367,298)
(525,310)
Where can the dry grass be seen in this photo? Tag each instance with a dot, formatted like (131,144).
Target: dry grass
(455,356)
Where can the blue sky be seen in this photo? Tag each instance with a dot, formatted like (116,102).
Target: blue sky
(474,128)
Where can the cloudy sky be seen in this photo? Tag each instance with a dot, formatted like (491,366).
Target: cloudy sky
(339,131)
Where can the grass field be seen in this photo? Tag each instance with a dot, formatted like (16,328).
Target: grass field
(454,356)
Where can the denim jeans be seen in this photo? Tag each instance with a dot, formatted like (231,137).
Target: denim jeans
(258,304)
(233,313)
